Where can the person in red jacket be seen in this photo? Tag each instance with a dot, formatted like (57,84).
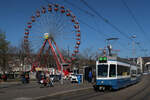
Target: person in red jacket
(4,77)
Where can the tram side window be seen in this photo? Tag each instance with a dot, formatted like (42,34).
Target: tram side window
(102,70)
(138,71)
(133,73)
(123,70)
(112,72)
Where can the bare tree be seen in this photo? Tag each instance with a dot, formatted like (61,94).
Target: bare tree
(4,45)
(87,57)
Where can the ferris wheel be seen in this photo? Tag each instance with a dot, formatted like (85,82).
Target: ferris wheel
(51,31)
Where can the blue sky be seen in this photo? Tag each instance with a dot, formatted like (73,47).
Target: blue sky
(14,14)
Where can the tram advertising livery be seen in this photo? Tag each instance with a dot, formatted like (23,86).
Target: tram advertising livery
(115,73)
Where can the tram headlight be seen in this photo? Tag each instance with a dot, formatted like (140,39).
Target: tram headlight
(103,59)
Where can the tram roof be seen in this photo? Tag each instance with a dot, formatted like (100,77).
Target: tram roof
(123,60)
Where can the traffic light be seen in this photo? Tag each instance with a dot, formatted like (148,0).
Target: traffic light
(102,59)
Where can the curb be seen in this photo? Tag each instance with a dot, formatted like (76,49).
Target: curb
(9,83)
(58,93)
(12,83)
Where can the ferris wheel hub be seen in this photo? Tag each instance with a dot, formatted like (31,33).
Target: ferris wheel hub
(46,35)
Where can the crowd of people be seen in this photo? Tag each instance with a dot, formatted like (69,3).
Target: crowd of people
(43,79)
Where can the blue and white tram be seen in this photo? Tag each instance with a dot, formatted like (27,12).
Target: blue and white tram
(115,75)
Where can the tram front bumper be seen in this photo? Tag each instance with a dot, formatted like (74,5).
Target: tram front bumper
(107,83)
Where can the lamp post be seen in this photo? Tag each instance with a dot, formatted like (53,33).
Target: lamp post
(133,48)
(21,66)
(61,74)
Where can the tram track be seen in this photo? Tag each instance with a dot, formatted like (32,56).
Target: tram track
(140,91)
(87,94)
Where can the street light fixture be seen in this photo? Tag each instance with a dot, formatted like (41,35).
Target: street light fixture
(133,36)
(112,39)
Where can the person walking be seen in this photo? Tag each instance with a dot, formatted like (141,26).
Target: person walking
(90,76)
(22,77)
(27,78)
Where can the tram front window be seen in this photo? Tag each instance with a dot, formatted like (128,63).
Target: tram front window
(102,70)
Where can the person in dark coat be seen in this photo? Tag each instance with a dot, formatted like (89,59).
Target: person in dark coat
(90,76)
(27,78)
(23,77)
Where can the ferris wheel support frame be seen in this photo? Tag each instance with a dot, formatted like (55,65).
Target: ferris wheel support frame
(62,58)
(58,63)
(38,56)
(57,59)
